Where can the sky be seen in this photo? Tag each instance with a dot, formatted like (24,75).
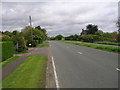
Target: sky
(66,17)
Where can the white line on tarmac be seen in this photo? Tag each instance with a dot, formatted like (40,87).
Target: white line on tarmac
(117,69)
(55,73)
(79,52)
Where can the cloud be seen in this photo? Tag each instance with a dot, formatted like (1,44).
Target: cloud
(64,18)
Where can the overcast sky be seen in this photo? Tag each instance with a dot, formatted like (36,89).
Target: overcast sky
(60,17)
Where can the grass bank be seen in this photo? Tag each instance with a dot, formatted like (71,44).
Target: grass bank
(30,74)
(108,43)
(4,63)
(101,47)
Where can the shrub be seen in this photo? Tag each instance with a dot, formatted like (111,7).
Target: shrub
(21,44)
(6,38)
(90,38)
(7,50)
(20,49)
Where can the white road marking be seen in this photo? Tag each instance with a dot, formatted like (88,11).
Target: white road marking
(55,73)
(117,69)
(79,52)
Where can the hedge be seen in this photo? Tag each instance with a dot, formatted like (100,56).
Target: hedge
(7,50)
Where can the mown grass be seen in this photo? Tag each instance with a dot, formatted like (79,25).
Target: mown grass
(101,47)
(108,43)
(30,74)
(44,44)
(4,63)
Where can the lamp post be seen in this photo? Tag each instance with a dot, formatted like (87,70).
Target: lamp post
(31,26)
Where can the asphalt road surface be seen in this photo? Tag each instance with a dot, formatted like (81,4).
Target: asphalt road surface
(84,67)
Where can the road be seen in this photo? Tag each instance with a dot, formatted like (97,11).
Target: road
(7,70)
(84,67)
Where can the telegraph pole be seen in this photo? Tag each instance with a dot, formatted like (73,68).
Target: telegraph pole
(31,26)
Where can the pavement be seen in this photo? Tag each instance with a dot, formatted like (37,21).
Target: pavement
(84,67)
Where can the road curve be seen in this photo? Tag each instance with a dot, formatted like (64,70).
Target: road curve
(84,67)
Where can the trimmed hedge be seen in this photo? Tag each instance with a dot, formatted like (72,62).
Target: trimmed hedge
(7,50)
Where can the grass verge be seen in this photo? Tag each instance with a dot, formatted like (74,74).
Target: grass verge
(30,74)
(4,63)
(108,43)
(101,47)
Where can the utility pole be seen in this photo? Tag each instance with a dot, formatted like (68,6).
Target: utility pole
(31,26)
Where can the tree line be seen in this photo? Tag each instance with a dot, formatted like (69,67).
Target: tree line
(91,34)
(28,37)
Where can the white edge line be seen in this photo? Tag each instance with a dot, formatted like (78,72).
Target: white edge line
(55,73)
(117,69)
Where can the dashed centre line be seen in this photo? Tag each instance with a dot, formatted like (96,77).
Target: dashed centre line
(80,53)
(117,69)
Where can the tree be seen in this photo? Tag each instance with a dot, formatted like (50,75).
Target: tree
(118,25)
(21,43)
(27,33)
(6,38)
(99,33)
(90,29)
(7,33)
(15,32)
(36,34)
(38,27)
(58,37)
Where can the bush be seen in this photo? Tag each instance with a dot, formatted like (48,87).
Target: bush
(39,41)
(90,38)
(6,38)
(20,44)
(20,49)
(7,50)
